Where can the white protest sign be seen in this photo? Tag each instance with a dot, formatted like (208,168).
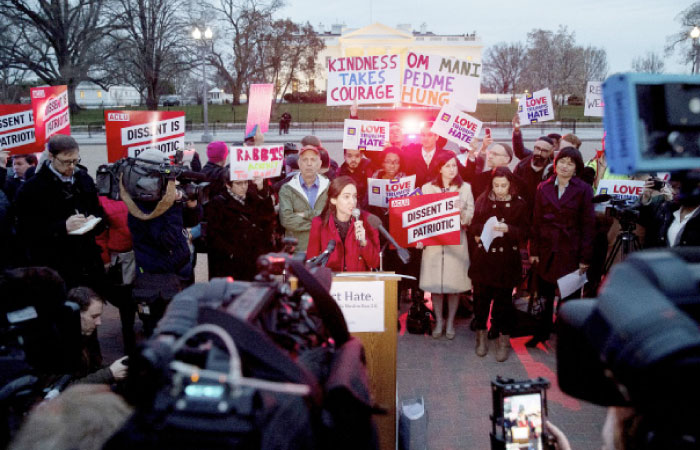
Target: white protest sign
(362,304)
(365,135)
(536,107)
(382,191)
(250,162)
(629,190)
(593,105)
(456,126)
(365,79)
(433,80)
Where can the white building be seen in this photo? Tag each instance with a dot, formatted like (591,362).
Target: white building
(217,96)
(380,39)
(89,95)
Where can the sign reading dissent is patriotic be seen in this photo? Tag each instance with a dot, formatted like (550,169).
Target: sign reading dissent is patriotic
(17,129)
(130,133)
(432,219)
(51,112)
(365,135)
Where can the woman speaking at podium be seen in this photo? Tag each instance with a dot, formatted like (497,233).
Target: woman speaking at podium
(341,236)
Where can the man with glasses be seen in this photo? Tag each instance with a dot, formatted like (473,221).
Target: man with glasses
(532,170)
(52,207)
(497,155)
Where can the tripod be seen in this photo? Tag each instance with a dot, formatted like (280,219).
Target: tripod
(626,241)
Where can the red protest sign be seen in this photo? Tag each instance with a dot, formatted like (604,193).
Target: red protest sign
(432,219)
(17,129)
(131,132)
(51,112)
(259,105)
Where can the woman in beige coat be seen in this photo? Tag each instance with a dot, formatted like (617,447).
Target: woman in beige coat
(444,268)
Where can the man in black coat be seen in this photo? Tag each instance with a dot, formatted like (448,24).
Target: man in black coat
(51,209)
(531,170)
(421,159)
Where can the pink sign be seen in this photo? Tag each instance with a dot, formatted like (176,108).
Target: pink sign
(259,104)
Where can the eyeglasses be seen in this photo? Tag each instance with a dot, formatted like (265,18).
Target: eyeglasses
(68,162)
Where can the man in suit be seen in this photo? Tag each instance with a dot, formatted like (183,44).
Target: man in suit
(421,159)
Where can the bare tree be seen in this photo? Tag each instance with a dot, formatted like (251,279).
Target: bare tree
(595,66)
(504,65)
(650,63)
(59,41)
(150,46)
(681,40)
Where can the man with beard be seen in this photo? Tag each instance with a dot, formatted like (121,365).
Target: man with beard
(531,170)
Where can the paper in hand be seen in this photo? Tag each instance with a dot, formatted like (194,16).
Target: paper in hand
(488,234)
(568,284)
(87,226)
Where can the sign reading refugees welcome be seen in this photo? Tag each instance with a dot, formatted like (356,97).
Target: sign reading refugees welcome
(129,133)
(17,129)
(365,135)
(363,79)
(593,105)
(536,107)
(432,80)
(51,112)
(250,162)
(456,126)
(432,219)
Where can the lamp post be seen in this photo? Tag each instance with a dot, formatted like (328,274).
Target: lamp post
(204,38)
(695,34)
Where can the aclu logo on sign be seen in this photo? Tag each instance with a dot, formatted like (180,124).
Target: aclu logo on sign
(118,117)
(38,94)
(400,202)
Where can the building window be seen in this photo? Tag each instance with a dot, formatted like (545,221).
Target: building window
(312,85)
(99,94)
(295,85)
(82,94)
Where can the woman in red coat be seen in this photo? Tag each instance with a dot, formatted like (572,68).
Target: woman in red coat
(356,241)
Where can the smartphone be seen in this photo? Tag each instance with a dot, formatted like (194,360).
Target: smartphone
(658,184)
(487,132)
(520,409)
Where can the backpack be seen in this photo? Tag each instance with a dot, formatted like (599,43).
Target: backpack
(418,319)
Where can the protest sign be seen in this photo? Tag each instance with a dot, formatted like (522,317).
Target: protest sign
(381,192)
(129,133)
(593,105)
(432,219)
(432,80)
(51,113)
(249,162)
(365,135)
(365,79)
(259,104)
(456,126)
(17,129)
(362,304)
(536,107)
(629,190)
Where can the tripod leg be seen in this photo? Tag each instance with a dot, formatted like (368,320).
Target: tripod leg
(613,254)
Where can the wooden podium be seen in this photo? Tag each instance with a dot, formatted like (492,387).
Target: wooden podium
(380,349)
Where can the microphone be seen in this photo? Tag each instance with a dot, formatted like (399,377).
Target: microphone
(322,259)
(376,222)
(356,214)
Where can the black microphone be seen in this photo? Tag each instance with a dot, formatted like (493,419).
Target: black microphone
(321,259)
(376,222)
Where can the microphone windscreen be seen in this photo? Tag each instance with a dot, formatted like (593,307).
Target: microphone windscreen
(331,245)
(356,213)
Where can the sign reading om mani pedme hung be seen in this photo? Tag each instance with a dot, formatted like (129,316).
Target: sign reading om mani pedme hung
(362,304)
(432,219)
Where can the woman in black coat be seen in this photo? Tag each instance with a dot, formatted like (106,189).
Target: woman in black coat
(239,229)
(496,271)
(561,238)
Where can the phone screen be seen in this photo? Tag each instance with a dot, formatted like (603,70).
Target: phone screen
(487,131)
(522,421)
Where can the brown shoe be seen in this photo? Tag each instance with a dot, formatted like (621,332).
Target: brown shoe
(502,347)
(482,343)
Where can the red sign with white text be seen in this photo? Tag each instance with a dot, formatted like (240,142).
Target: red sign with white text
(432,219)
(130,133)
(51,112)
(17,129)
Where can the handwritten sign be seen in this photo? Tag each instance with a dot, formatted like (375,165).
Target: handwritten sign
(250,162)
(362,304)
(432,219)
(629,190)
(365,79)
(432,80)
(593,105)
(456,126)
(51,112)
(381,192)
(17,129)
(365,135)
(536,107)
(259,105)
(130,133)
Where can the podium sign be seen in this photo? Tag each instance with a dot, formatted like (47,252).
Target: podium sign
(362,304)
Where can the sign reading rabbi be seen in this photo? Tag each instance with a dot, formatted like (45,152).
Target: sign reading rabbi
(129,133)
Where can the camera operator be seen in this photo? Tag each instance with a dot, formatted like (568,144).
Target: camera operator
(161,247)
(675,222)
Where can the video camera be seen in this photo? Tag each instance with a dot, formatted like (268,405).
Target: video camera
(625,212)
(257,364)
(146,180)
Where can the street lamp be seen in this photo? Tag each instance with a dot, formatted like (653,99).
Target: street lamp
(695,34)
(197,35)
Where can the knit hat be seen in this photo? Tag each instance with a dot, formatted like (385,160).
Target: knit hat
(217,151)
